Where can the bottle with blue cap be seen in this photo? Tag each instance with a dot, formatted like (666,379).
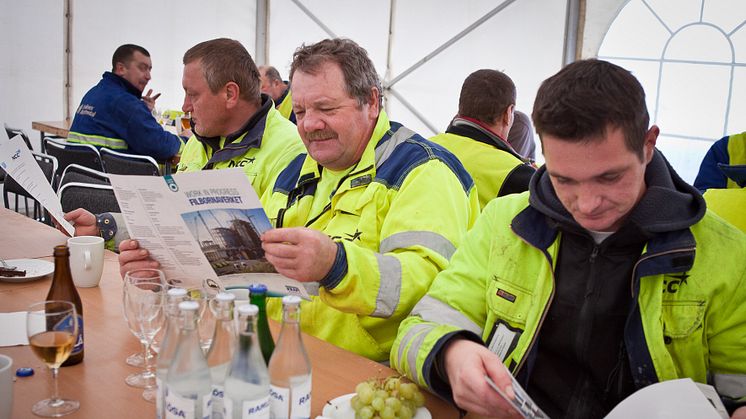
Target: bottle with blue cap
(258,297)
(290,367)
(221,350)
(168,346)
(247,384)
(188,378)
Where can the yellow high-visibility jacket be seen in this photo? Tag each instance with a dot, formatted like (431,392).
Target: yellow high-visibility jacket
(685,325)
(397,216)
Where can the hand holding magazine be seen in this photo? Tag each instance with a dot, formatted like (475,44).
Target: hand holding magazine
(202,227)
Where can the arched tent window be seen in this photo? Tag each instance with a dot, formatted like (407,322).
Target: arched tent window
(690,56)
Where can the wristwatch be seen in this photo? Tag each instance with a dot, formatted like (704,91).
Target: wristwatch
(107,226)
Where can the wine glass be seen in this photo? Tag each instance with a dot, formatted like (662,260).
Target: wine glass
(143,297)
(52,329)
(204,295)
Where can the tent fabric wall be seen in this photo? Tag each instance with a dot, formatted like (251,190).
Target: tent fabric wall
(31,76)
(524,39)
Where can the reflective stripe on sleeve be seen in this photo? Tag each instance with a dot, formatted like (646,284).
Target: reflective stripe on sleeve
(312,288)
(426,239)
(389,288)
(413,340)
(114,143)
(384,151)
(730,385)
(433,310)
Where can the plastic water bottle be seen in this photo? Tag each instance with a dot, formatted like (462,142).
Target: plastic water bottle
(168,346)
(258,297)
(247,384)
(289,367)
(188,378)
(221,350)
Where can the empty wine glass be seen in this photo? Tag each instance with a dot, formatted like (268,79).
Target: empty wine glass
(52,329)
(143,295)
(206,317)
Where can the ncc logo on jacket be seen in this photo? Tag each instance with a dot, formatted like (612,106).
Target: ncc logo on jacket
(672,283)
(243,162)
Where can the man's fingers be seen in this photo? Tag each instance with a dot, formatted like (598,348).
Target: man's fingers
(128,245)
(280,249)
(156,97)
(279,235)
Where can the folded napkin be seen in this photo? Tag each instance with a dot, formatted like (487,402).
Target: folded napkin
(13,326)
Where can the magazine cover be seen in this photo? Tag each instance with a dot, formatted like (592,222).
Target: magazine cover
(203,227)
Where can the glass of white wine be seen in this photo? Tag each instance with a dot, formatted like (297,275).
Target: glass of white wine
(52,329)
(143,295)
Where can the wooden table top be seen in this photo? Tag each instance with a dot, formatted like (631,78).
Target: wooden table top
(98,382)
(58,128)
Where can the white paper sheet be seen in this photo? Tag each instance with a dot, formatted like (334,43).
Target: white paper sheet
(16,159)
(680,399)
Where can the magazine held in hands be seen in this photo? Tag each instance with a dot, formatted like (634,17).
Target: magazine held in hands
(202,227)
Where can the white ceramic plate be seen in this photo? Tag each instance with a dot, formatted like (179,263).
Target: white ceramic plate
(340,408)
(35,268)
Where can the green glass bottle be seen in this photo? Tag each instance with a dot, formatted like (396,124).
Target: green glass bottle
(258,297)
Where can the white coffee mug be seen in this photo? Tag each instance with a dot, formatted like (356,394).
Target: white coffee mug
(86,260)
(6,386)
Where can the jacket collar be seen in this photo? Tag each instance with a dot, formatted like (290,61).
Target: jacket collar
(284,95)
(128,87)
(252,132)
(467,127)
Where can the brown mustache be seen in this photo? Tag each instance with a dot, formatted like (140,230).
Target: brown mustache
(320,135)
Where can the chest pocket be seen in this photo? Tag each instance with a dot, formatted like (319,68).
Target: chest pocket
(682,320)
(508,302)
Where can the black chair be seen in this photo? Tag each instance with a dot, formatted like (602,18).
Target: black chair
(92,197)
(82,174)
(12,132)
(71,153)
(48,165)
(119,163)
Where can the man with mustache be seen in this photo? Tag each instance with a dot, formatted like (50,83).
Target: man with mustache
(608,275)
(371,214)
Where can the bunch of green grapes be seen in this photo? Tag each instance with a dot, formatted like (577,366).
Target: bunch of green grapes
(387,398)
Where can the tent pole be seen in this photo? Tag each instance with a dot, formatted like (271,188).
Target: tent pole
(389,68)
(68,60)
(572,32)
(261,48)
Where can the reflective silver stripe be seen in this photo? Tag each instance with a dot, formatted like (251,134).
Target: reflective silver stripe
(114,143)
(433,310)
(312,288)
(414,350)
(389,289)
(413,340)
(730,385)
(383,152)
(427,239)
